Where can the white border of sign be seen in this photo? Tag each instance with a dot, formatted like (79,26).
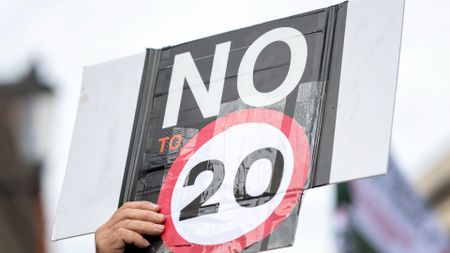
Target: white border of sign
(99,148)
(367,89)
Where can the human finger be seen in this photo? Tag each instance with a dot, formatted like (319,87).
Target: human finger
(142,227)
(126,236)
(144,205)
(136,214)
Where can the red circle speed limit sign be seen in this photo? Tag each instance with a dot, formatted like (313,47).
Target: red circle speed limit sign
(234,182)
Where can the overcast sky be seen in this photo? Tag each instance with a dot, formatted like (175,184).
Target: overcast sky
(63,36)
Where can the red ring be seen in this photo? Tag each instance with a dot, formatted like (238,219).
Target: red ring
(296,136)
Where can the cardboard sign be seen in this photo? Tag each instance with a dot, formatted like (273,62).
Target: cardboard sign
(226,132)
(219,111)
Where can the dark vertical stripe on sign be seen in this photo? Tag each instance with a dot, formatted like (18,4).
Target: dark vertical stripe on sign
(335,44)
(141,122)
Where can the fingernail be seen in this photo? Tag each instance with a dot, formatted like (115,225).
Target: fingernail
(153,205)
(159,227)
(146,243)
(160,216)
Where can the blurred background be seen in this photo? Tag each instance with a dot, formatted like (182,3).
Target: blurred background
(45,44)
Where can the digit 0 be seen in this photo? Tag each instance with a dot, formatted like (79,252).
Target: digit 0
(240,191)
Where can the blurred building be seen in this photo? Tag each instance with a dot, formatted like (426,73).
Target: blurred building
(384,214)
(21,218)
(435,186)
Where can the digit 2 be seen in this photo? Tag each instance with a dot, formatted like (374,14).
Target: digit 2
(196,207)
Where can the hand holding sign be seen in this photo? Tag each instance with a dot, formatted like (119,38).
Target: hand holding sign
(127,226)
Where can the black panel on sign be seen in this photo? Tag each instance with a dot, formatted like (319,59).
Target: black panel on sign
(306,23)
(154,149)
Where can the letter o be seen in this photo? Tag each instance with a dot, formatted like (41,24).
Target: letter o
(299,53)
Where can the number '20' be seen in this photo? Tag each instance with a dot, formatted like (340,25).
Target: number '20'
(197,206)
